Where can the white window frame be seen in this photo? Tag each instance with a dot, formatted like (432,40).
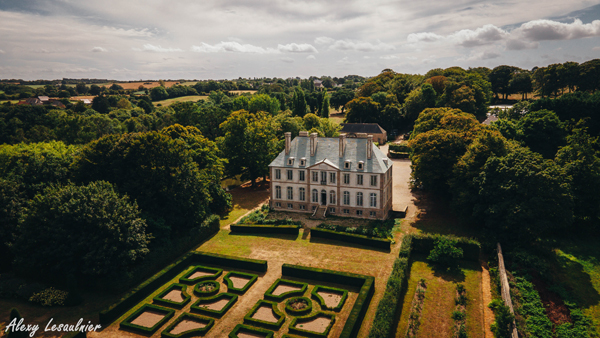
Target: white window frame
(346,198)
(373,198)
(302,175)
(332,177)
(332,197)
(277,174)
(359,179)
(315,176)
(373,180)
(290,193)
(346,178)
(315,196)
(359,199)
(290,175)
(302,194)
(277,192)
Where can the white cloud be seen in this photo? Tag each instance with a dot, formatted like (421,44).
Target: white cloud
(486,55)
(297,48)
(287,60)
(596,48)
(481,36)
(310,57)
(423,37)
(539,30)
(389,57)
(518,44)
(158,49)
(232,46)
(345,60)
(99,49)
(323,40)
(360,46)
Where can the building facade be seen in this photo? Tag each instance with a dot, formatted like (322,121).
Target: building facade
(373,129)
(332,176)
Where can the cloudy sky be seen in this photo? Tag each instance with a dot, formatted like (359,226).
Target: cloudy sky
(218,39)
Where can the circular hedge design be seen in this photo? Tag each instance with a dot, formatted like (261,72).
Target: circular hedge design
(207,288)
(298,306)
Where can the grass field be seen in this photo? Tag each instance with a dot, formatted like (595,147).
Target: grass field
(11,101)
(579,271)
(168,102)
(436,318)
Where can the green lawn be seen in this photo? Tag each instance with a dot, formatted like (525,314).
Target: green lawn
(169,102)
(436,318)
(11,101)
(579,272)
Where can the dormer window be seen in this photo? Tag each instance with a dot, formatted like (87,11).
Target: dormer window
(291,161)
(302,162)
(347,164)
(361,165)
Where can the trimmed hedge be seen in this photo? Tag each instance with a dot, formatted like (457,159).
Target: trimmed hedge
(379,243)
(424,243)
(292,312)
(231,288)
(361,305)
(204,294)
(269,325)
(113,312)
(388,306)
(249,329)
(126,324)
(278,298)
(306,333)
(266,229)
(215,313)
(177,305)
(318,297)
(199,268)
(190,333)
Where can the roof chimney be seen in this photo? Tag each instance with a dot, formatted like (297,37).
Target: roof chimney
(313,144)
(342,144)
(288,142)
(369,146)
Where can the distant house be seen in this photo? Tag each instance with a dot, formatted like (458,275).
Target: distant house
(57,103)
(44,99)
(87,102)
(32,101)
(318,83)
(373,129)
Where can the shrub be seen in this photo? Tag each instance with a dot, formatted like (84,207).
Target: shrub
(458,315)
(445,253)
(502,326)
(50,297)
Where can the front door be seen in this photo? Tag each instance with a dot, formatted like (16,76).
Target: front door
(323,197)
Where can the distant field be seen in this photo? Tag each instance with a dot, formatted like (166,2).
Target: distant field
(189,83)
(169,102)
(11,101)
(336,116)
(243,91)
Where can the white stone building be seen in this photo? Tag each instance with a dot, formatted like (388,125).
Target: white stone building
(338,176)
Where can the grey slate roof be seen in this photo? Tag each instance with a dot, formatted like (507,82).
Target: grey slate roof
(369,128)
(328,149)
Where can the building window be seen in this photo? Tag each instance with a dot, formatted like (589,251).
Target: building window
(302,194)
(323,177)
(314,207)
(346,178)
(315,196)
(301,174)
(373,214)
(332,197)
(374,200)
(291,161)
(278,192)
(359,199)
(315,175)
(290,206)
(373,180)
(290,174)
(359,179)
(346,211)
(358,212)
(290,193)
(347,165)
(277,174)
(302,162)
(346,198)
(332,177)
(302,207)
(361,165)
(278,205)
(332,210)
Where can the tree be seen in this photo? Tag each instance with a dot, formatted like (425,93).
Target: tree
(100,104)
(95,89)
(159,93)
(123,103)
(299,106)
(434,154)
(263,102)
(340,98)
(81,88)
(325,107)
(249,144)
(521,83)
(500,79)
(589,76)
(362,110)
(65,220)
(542,131)
(445,253)
(522,196)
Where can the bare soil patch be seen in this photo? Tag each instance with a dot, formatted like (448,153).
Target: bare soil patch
(187,325)
(148,318)
(283,288)
(174,296)
(331,299)
(239,282)
(217,305)
(265,313)
(556,310)
(199,274)
(318,325)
